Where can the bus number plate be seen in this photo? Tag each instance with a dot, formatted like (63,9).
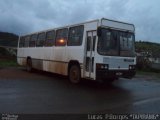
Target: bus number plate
(118,73)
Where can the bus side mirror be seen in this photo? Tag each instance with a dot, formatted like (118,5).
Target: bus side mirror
(99,31)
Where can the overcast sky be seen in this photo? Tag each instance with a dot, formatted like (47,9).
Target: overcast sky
(25,16)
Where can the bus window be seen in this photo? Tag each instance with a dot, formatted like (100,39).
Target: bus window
(40,40)
(26,43)
(32,41)
(61,37)
(22,42)
(75,35)
(50,38)
(108,43)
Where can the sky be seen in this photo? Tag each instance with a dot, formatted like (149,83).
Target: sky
(26,16)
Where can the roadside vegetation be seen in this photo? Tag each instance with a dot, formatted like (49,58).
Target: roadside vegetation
(149,72)
(143,67)
(8,63)
(147,52)
(6,58)
(8,55)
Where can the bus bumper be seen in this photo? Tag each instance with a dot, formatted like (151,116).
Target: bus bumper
(114,74)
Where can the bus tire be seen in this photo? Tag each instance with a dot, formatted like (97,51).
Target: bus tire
(29,65)
(74,74)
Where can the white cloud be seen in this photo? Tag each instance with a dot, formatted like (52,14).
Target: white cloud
(24,16)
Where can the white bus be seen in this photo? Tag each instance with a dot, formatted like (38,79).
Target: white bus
(101,49)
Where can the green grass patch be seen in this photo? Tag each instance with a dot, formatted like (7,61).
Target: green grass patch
(8,63)
(149,72)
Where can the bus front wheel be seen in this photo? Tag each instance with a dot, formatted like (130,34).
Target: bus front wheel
(29,65)
(74,74)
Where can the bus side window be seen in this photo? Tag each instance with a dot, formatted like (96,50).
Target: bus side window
(75,35)
(32,42)
(50,38)
(40,40)
(26,41)
(21,42)
(61,37)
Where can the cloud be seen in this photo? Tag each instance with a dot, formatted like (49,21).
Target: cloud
(145,16)
(25,16)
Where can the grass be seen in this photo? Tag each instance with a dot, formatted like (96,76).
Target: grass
(8,63)
(149,72)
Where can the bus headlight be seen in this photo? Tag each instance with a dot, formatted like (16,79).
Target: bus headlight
(102,66)
(132,67)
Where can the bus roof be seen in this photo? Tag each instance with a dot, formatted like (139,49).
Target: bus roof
(102,22)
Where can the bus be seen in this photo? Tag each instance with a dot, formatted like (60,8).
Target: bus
(101,50)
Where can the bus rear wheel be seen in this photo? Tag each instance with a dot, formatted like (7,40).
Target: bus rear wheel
(29,65)
(74,74)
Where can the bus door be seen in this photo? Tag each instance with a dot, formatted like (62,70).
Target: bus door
(90,53)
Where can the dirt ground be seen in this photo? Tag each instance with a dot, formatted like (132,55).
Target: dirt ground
(18,73)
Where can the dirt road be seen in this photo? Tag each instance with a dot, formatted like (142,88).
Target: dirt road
(41,92)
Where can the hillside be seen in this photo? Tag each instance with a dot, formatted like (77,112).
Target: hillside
(8,39)
(152,48)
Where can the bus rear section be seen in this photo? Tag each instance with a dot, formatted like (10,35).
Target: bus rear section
(114,52)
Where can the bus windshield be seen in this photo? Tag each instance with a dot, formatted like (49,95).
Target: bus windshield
(116,43)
